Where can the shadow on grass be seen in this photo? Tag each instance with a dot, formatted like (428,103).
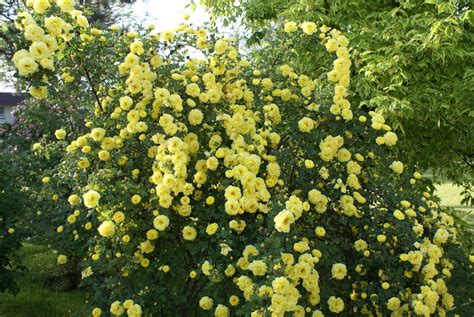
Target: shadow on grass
(34,300)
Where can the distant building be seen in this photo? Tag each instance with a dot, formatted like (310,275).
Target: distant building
(7,101)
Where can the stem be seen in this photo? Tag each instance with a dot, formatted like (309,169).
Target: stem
(89,79)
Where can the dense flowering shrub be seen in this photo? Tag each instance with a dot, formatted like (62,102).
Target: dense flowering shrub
(210,186)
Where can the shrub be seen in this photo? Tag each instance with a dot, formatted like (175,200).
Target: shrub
(208,185)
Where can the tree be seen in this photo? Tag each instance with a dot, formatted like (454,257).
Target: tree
(413,61)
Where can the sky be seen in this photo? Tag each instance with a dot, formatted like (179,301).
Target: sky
(164,14)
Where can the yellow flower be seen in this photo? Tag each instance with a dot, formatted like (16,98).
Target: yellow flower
(152,234)
(40,6)
(97,134)
(331,45)
(306,124)
(74,200)
(283,221)
(232,192)
(104,155)
(193,90)
(106,229)
(309,27)
(360,245)
(398,214)
(397,167)
(206,303)
(221,46)
(393,303)
(290,27)
(71,219)
(336,304)
(189,233)
(96,312)
(33,32)
(390,138)
(83,163)
(234,300)
(116,308)
(62,259)
(320,232)
(212,228)
(65,5)
(221,311)
(91,198)
(258,268)
(210,200)
(27,66)
(39,92)
(195,117)
(339,271)
(136,199)
(161,222)
(381,238)
(144,262)
(39,51)
(118,217)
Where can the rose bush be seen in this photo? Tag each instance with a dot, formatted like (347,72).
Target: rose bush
(209,185)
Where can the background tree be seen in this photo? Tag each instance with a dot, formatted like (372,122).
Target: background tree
(413,61)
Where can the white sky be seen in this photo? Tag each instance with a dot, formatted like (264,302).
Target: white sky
(168,14)
(164,14)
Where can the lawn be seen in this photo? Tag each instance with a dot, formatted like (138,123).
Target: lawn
(34,300)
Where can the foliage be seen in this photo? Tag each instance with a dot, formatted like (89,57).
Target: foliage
(413,61)
(11,207)
(187,195)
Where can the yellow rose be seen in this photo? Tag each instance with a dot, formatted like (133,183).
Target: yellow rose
(107,228)
(195,117)
(290,27)
(161,222)
(38,92)
(96,312)
(118,217)
(306,125)
(212,228)
(136,199)
(397,167)
(189,233)
(309,27)
(91,198)
(206,303)
(40,6)
(336,304)
(60,134)
(62,259)
(258,268)
(116,308)
(27,66)
(339,271)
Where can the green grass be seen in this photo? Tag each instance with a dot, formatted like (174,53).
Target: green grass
(34,300)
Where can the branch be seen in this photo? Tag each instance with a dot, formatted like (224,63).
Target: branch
(89,79)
